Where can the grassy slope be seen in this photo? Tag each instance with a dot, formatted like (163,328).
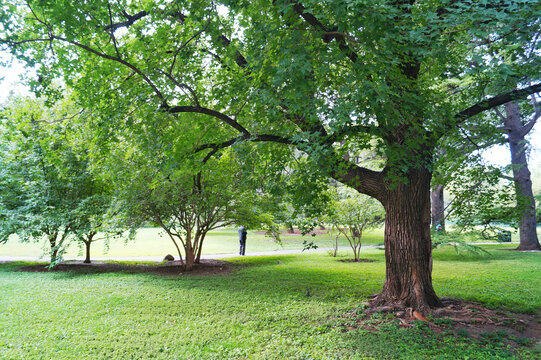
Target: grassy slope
(260,311)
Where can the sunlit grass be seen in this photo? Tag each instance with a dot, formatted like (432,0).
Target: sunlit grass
(151,242)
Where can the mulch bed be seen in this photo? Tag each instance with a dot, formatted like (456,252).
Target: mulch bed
(458,316)
(358,261)
(206,267)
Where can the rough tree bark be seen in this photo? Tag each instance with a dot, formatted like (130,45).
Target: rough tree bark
(521,175)
(438,206)
(408,246)
(188,252)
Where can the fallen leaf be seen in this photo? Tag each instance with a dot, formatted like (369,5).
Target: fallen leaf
(419,316)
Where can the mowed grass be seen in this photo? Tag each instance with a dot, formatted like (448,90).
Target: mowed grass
(151,242)
(260,311)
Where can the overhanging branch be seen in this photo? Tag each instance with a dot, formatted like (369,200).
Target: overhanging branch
(201,110)
(497,100)
(215,147)
(130,20)
(328,33)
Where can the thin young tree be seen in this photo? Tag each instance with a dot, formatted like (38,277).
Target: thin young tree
(351,214)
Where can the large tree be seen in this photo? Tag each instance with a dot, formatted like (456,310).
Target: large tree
(308,74)
(509,125)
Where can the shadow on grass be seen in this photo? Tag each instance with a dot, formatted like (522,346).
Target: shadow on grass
(306,277)
(325,279)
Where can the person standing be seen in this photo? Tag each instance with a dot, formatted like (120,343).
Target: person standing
(242,240)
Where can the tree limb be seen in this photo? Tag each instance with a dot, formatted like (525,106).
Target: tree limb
(528,127)
(366,181)
(113,58)
(496,101)
(129,22)
(499,113)
(328,33)
(201,110)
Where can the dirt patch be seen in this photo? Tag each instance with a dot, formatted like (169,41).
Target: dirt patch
(296,232)
(358,261)
(206,267)
(462,318)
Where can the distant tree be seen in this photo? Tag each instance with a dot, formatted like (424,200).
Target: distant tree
(514,122)
(517,126)
(91,219)
(351,214)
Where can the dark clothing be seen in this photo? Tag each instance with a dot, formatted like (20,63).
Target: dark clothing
(242,240)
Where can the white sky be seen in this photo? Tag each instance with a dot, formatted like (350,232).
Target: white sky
(9,80)
(498,155)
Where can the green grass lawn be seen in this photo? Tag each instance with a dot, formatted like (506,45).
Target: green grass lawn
(260,311)
(152,242)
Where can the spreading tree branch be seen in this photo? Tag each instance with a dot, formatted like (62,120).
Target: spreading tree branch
(496,101)
(201,110)
(528,127)
(129,22)
(329,33)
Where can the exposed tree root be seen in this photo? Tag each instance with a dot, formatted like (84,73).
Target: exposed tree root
(455,315)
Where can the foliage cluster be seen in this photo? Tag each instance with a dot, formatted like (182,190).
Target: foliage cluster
(190,79)
(46,186)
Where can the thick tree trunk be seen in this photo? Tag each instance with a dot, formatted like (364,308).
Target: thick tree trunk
(54,256)
(189,251)
(54,249)
(522,178)
(408,248)
(438,206)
